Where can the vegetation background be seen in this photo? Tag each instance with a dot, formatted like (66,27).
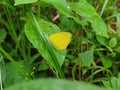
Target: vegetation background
(92,56)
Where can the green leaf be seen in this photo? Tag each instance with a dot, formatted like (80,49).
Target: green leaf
(113,42)
(102,40)
(12,76)
(118,49)
(112,84)
(48,28)
(62,6)
(3,34)
(54,84)
(107,63)
(87,57)
(84,10)
(89,14)
(43,66)
(99,26)
(18,2)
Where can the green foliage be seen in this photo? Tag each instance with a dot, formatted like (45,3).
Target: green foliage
(88,13)
(106,62)
(47,29)
(102,40)
(92,55)
(87,57)
(54,84)
(2,35)
(62,6)
(12,75)
(113,42)
(83,9)
(113,83)
(18,2)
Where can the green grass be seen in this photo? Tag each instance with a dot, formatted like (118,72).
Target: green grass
(92,55)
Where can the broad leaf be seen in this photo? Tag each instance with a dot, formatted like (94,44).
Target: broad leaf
(12,75)
(113,42)
(48,28)
(112,83)
(107,63)
(87,57)
(62,6)
(83,10)
(18,2)
(102,40)
(54,84)
(88,14)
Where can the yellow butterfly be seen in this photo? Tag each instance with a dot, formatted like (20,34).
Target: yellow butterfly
(60,40)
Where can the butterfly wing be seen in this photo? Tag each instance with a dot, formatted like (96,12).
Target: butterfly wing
(60,40)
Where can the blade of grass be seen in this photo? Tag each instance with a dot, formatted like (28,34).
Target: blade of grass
(14,63)
(104,6)
(43,38)
(118,23)
(1,74)
(11,24)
